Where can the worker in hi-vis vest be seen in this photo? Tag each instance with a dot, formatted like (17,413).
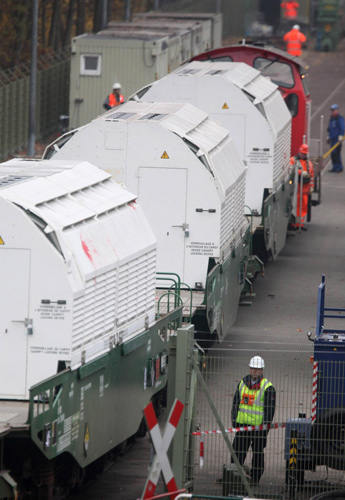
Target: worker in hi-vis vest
(253,404)
(290,10)
(305,186)
(294,39)
(115,98)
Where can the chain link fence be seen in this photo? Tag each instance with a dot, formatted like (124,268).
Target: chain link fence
(305,443)
(52,100)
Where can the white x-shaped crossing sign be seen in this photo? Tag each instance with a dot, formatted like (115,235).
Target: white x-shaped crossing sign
(161,444)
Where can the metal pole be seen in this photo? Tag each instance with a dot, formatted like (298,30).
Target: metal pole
(104,20)
(309,123)
(156,5)
(128,11)
(181,382)
(308,16)
(321,134)
(218,6)
(300,197)
(33,80)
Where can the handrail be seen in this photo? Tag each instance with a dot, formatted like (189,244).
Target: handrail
(171,279)
(168,303)
(191,298)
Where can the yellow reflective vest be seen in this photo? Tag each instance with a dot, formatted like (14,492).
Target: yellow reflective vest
(251,407)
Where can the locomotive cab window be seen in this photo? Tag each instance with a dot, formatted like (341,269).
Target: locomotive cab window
(292,103)
(305,83)
(90,64)
(280,73)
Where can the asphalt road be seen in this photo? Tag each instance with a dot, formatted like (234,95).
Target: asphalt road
(284,308)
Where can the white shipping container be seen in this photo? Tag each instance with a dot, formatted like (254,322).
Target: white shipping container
(78,259)
(253,110)
(248,105)
(187,174)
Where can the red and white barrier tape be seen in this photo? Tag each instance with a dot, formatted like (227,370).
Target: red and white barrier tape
(314,397)
(262,427)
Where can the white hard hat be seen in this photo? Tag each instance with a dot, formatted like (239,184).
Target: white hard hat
(257,362)
(296,27)
(116,86)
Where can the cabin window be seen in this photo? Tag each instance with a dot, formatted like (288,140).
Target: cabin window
(90,64)
(280,73)
(305,83)
(292,103)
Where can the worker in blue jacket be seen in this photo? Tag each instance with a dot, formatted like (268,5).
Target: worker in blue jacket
(335,134)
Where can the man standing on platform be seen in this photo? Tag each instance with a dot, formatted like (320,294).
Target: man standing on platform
(253,404)
(294,40)
(290,10)
(305,186)
(335,135)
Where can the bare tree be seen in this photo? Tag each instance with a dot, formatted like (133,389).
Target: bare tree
(55,26)
(43,22)
(81,8)
(69,23)
(22,28)
(97,16)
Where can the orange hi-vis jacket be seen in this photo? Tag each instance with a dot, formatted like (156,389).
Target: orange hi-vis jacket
(290,10)
(113,102)
(294,40)
(306,176)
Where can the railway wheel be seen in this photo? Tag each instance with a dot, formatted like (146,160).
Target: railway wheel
(142,429)
(77,478)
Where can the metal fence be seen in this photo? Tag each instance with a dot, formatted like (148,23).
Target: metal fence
(52,100)
(305,451)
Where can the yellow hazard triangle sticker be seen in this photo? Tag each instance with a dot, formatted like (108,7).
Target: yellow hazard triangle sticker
(1,241)
(165,156)
(225,106)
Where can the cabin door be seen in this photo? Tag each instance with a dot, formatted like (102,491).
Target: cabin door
(15,273)
(162,193)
